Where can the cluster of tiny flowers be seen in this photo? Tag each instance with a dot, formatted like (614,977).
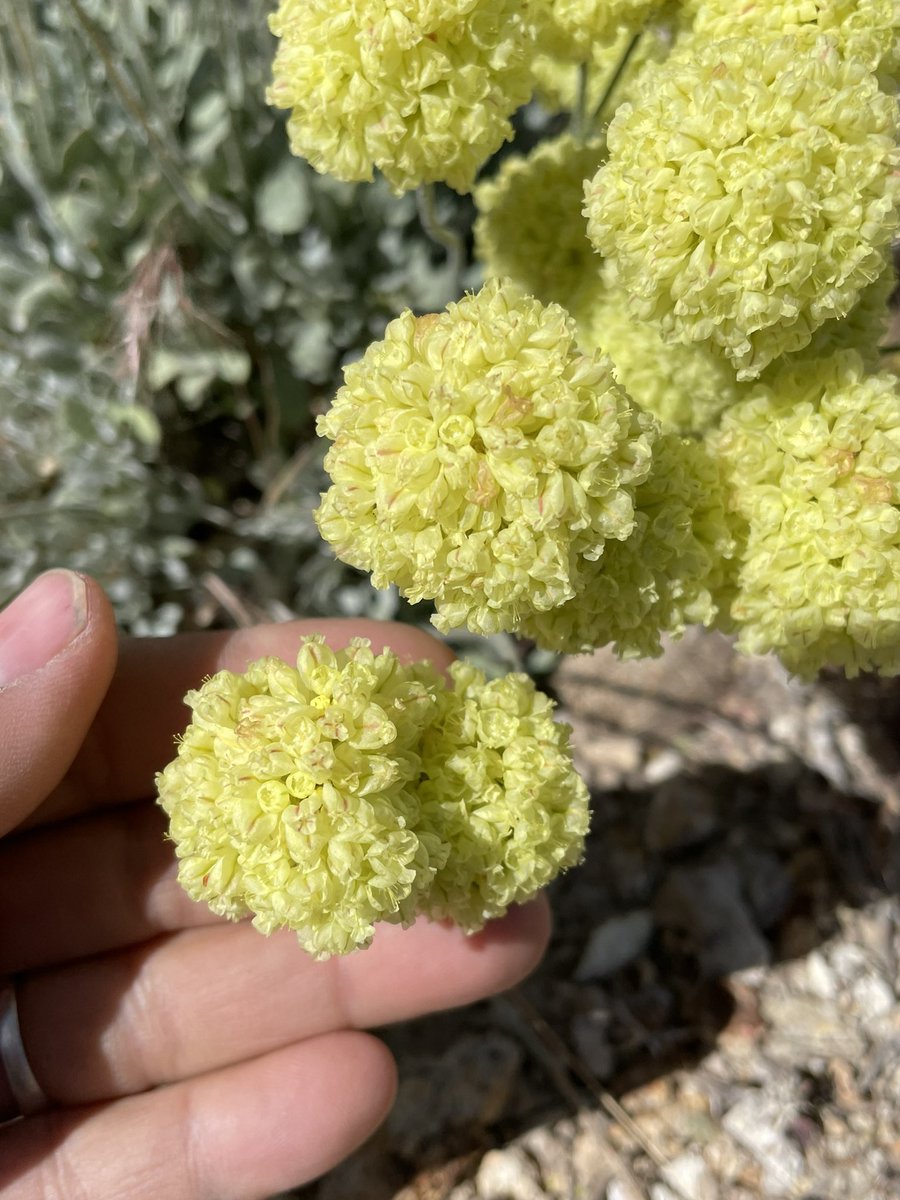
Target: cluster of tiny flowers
(675,569)
(479,459)
(749,196)
(570,29)
(420,89)
(499,789)
(813,466)
(867,30)
(352,788)
(530,227)
(861,330)
(684,387)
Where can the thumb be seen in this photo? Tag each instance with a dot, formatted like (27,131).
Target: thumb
(57,655)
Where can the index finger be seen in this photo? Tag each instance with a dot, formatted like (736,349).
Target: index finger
(132,736)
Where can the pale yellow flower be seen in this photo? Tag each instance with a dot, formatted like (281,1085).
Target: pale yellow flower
(749,196)
(500,790)
(685,386)
(478,458)
(813,466)
(868,30)
(530,227)
(293,795)
(354,788)
(422,90)
(673,571)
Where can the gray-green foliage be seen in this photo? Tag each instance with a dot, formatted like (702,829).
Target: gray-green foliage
(177,294)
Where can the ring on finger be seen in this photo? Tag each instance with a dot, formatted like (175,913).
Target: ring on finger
(27,1094)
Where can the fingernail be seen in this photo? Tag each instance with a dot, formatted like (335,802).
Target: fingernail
(40,623)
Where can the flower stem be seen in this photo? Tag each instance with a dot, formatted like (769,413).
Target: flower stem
(616,76)
(426,202)
(579,121)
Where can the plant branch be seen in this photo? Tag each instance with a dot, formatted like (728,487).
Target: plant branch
(131,103)
(426,203)
(616,77)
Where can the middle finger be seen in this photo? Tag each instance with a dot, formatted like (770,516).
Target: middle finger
(205,998)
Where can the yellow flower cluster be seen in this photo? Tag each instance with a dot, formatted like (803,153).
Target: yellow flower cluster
(499,789)
(479,459)
(813,466)
(750,194)
(674,570)
(861,330)
(422,90)
(530,227)
(684,387)
(867,30)
(354,788)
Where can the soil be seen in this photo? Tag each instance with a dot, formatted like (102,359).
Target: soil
(717,1014)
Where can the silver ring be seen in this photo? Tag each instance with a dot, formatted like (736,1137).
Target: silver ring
(26,1091)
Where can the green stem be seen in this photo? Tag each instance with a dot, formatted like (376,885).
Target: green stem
(616,76)
(24,40)
(426,202)
(579,121)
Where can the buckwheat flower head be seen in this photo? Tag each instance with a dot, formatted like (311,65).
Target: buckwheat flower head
(500,789)
(813,464)
(684,387)
(293,794)
(420,89)
(478,458)
(355,789)
(674,570)
(861,330)
(867,30)
(569,29)
(530,227)
(748,197)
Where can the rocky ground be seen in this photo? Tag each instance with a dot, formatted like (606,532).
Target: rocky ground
(717,1016)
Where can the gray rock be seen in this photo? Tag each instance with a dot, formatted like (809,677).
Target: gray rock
(873,997)
(681,814)
(690,1177)
(804,1027)
(551,1149)
(589,1033)
(468,1087)
(592,1161)
(621,1189)
(756,1122)
(614,944)
(508,1175)
(706,903)
(766,885)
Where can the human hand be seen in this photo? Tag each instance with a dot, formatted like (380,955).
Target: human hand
(181,1056)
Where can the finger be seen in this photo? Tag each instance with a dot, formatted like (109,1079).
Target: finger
(133,735)
(89,885)
(241,1133)
(57,653)
(205,998)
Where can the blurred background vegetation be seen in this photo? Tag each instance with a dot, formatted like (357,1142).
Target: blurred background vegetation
(178,297)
